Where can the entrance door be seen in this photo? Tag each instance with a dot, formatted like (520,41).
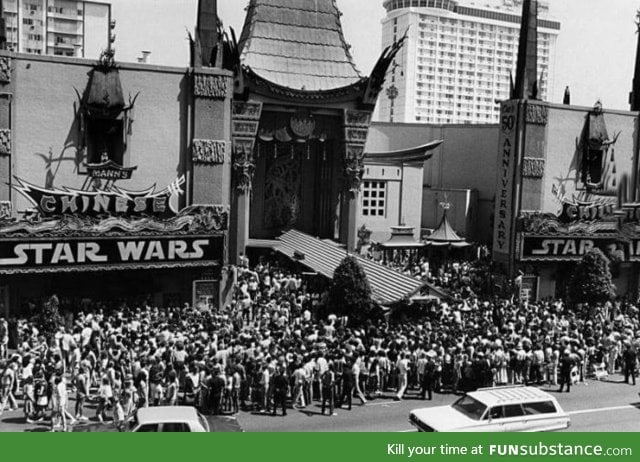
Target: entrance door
(294,188)
(325,202)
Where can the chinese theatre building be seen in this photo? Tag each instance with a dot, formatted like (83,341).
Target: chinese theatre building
(300,118)
(567,182)
(114,181)
(133,181)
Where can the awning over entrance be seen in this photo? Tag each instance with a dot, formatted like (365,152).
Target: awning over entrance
(388,286)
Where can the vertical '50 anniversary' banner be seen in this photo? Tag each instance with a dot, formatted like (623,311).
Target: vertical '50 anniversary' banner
(504,208)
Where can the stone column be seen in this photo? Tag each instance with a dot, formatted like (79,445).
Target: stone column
(356,129)
(211,144)
(210,159)
(7,293)
(245,123)
(6,94)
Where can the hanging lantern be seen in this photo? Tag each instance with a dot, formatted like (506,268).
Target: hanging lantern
(308,152)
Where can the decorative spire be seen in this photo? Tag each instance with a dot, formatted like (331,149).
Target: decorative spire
(3,28)
(207,35)
(567,96)
(634,98)
(526,85)
(445,205)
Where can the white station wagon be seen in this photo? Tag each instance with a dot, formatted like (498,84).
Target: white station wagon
(501,409)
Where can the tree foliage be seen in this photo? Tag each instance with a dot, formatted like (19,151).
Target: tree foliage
(591,280)
(350,293)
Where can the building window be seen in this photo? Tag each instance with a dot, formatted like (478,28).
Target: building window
(374,199)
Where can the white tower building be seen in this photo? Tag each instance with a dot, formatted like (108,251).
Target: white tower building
(456,63)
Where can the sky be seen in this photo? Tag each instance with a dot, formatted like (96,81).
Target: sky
(595,51)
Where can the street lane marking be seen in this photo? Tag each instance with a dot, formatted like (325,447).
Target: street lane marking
(369,404)
(602,409)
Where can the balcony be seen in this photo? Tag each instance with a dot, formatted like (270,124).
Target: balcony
(64,46)
(73,16)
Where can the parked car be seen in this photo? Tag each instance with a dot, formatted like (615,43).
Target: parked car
(500,409)
(168,419)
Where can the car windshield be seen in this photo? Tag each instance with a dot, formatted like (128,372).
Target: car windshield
(470,407)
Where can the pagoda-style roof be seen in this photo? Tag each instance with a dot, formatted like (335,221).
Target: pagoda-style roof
(416,154)
(445,235)
(298,45)
(402,238)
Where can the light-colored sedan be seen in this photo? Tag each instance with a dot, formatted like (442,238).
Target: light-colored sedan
(501,409)
(169,419)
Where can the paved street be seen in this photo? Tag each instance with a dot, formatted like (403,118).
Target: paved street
(596,406)
(587,404)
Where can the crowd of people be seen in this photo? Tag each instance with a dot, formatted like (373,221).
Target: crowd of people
(274,348)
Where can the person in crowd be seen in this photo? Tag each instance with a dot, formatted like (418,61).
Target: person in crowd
(328,386)
(281,388)
(8,379)
(403,373)
(428,378)
(566,366)
(348,386)
(216,388)
(105,395)
(82,384)
(630,359)
(4,338)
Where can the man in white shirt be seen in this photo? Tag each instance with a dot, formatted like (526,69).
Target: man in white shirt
(86,334)
(265,379)
(4,338)
(403,375)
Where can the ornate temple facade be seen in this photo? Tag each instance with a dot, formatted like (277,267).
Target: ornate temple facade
(300,118)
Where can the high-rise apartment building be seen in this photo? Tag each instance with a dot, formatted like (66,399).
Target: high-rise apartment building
(58,27)
(456,63)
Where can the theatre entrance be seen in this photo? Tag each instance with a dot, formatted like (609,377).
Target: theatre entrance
(296,186)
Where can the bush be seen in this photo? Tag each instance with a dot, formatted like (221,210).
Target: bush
(591,280)
(350,293)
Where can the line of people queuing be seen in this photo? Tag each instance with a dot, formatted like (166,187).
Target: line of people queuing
(272,348)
